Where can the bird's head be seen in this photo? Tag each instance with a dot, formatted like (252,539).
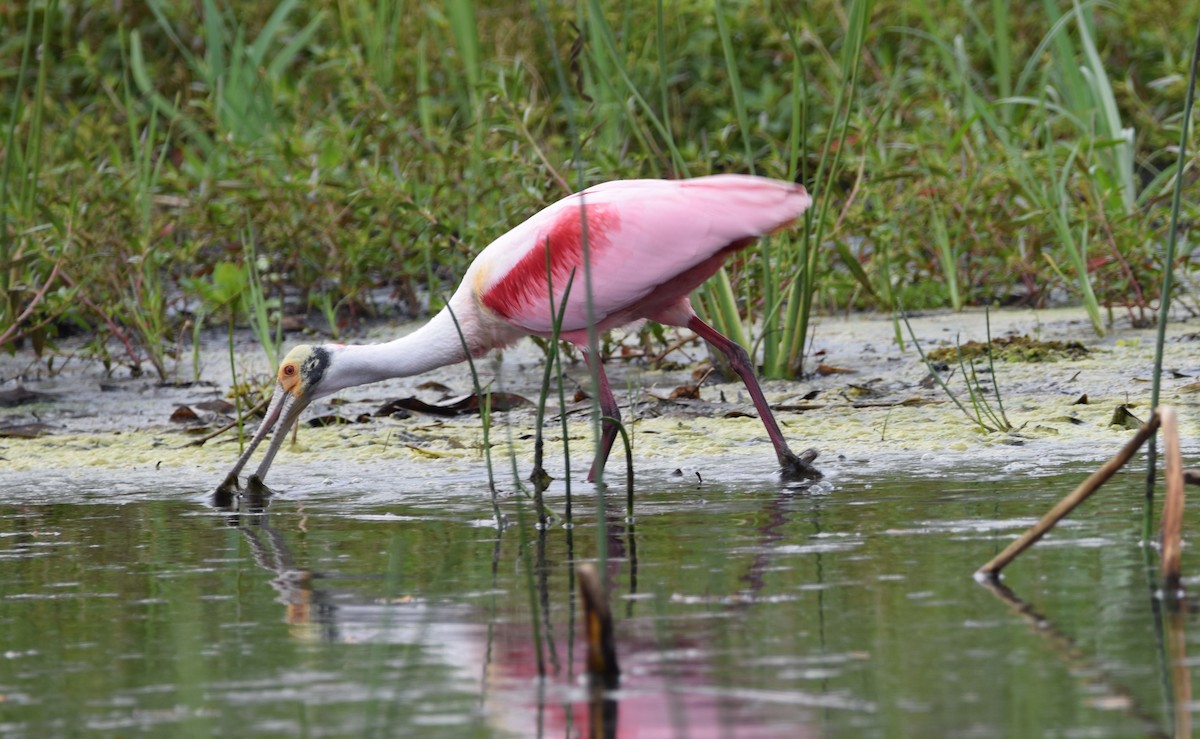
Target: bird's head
(302,370)
(302,376)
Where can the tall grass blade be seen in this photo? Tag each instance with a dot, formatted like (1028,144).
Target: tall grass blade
(938,378)
(1120,157)
(827,172)
(735,81)
(11,154)
(568,107)
(527,569)
(987,317)
(424,102)
(541,480)
(8,271)
(464,28)
(948,256)
(258,306)
(1164,301)
(485,417)
(602,31)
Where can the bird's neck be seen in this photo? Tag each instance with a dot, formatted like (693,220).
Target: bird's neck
(436,344)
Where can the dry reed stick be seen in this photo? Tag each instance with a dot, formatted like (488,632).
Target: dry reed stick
(992,569)
(598,627)
(262,405)
(1176,624)
(1172,515)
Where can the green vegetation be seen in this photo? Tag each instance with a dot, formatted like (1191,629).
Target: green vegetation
(351,156)
(1011,349)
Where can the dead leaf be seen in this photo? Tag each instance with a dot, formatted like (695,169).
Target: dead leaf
(907,402)
(1124,418)
(829,369)
(330,420)
(454,406)
(183,414)
(860,391)
(427,452)
(685,392)
(1068,419)
(216,406)
(24,431)
(434,386)
(293,323)
(20,396)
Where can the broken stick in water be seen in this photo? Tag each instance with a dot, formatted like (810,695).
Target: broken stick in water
(991,570)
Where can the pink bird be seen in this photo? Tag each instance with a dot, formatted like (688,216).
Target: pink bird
(650,243)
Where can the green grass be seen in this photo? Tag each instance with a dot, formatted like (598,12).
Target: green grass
(959,154)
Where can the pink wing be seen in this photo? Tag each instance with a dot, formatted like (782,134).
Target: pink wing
(650,243)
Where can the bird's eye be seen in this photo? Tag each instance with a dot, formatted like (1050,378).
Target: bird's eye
(289,370)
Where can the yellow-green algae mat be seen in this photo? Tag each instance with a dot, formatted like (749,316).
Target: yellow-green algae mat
(868,407)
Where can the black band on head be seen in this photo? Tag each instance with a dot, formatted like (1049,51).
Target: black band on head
(315,364)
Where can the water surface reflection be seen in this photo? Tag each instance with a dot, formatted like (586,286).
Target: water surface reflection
(739,613)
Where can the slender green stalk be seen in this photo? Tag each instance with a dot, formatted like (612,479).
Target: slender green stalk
(464,27)
(987,318)
(1164,303)
(1118,158)
(735,81)
(424,91)
(660,47)
(827,172)
(628,464)
(938,378)
(484,414)
(7,273)
(780,356)
(541,480)
(33,150)
(568,106)
(1054,200)
(237,395)
(527,569)
(29,162)
(948,256)
(258,307)
(240,77)
(568,521)
(1001,47)
(602,31)
(1164,300)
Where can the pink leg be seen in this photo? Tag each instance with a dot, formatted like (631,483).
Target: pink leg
(609,409)
(791,466)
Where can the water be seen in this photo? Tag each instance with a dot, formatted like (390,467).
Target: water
(362,609)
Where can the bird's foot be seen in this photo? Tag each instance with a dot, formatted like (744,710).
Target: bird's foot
(799,467)
(255,486)
(229,494)
(257,496)
(225,493)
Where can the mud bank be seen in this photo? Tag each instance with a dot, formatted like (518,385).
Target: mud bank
(874,412)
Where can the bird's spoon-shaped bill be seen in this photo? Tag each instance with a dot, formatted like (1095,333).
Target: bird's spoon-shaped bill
(281,415)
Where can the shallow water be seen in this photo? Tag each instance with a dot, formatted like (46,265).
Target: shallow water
(368,609)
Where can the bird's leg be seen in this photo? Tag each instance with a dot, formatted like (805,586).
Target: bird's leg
(791,466)
(609,410)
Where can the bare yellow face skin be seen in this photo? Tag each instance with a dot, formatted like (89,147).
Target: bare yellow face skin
(291,374)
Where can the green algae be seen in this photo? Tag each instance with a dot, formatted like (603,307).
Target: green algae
(1012,349)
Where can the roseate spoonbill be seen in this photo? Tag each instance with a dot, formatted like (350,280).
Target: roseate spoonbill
(650,242)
